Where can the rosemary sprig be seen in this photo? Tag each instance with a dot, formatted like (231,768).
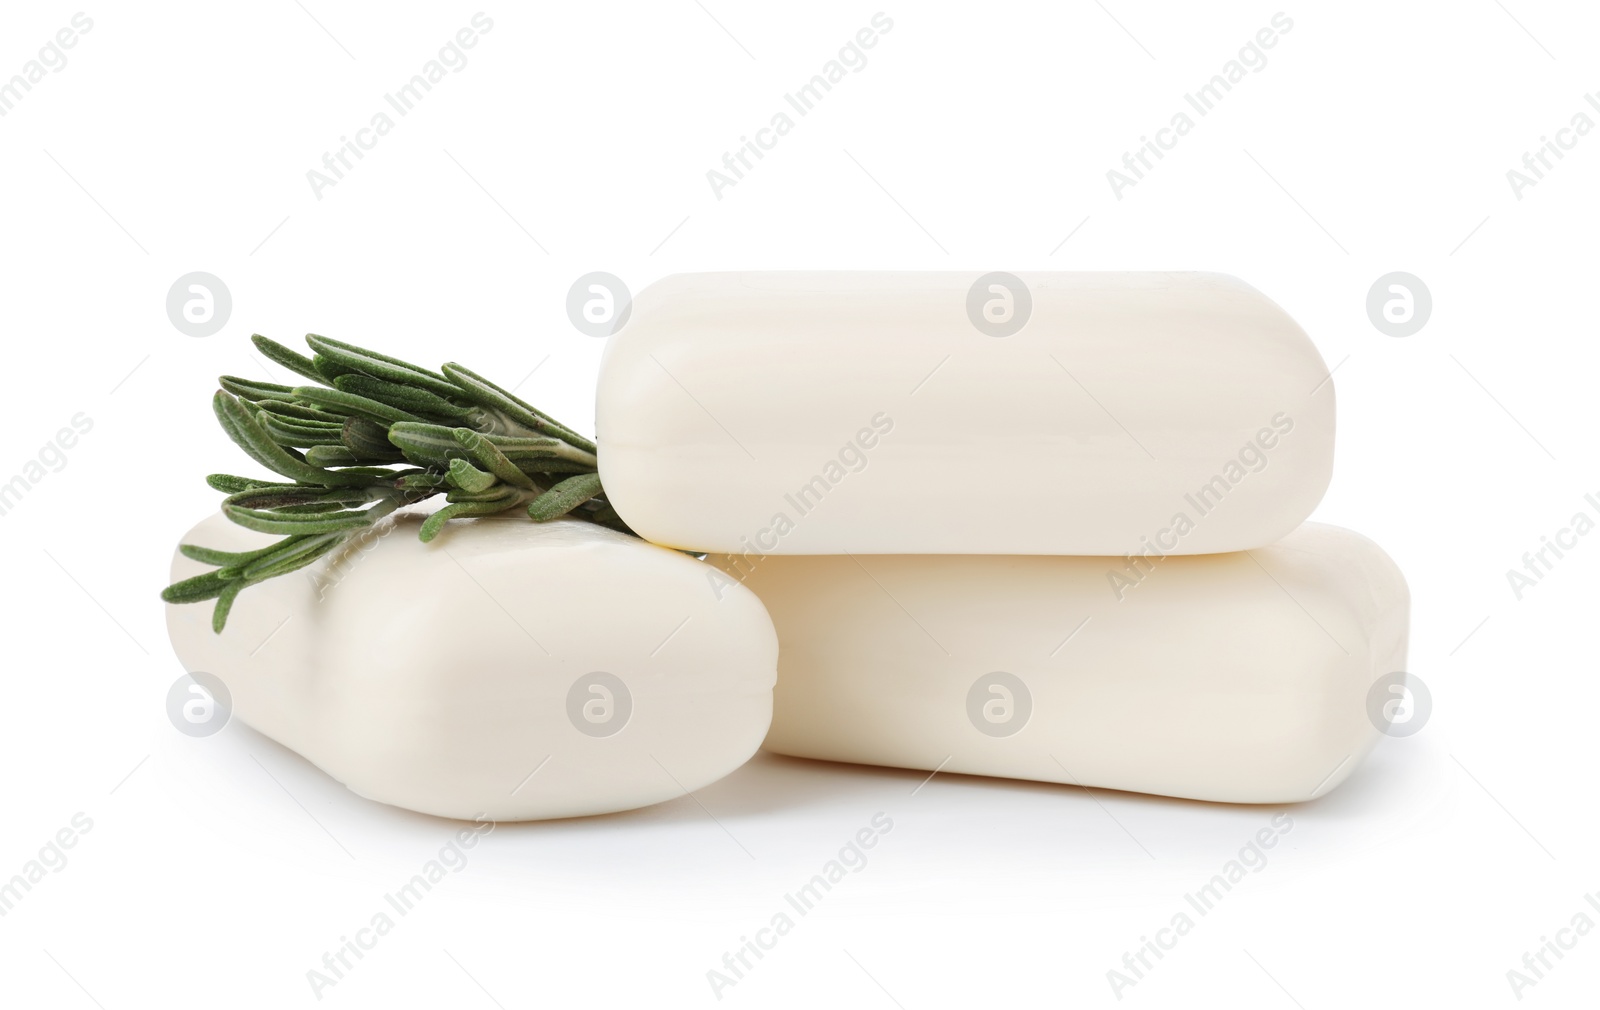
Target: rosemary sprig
(373,435)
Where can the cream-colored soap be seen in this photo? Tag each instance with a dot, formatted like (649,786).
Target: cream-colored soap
(1238,677)
(869,413)
(457,677)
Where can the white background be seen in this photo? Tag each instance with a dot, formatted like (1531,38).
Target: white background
(577,138)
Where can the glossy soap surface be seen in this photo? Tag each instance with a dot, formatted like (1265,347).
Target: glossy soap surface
(441,677)
(1232,677)
(824,413)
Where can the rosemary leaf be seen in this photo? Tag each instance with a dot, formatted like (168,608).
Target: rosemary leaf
(564,497)
(495,493)
(486,394)
(369,440)
(301,436)
(291,556)
(227,483)
(219,614)
(434,523)
(376,474)
(407,398)
(329,371)
(265,521)
(228,559)
(247,434)
(537,468)
(333,455)
(426,444)
(353,404)
(291,359)
(300,411)
(308,507)
(491,458)
(274,497)
(251,389)
(202,587)
(424,480)
(359,360)
(469,478)
(514,445)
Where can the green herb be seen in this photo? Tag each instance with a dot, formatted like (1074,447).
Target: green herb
(374,435)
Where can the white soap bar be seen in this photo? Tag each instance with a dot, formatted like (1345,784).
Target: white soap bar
(459,677)
(826,413)
(1239,677)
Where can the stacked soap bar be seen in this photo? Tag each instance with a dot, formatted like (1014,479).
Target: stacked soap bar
(1045,526)
(835,413)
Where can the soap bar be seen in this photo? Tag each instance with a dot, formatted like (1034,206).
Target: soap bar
(508,669)
(1241,677)
(878,413)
